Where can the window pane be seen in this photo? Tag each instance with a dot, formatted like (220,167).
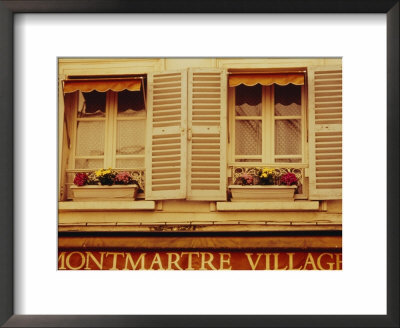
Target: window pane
(243,160)
(288,160)
(131,103)
(92,104)
(248,100)
(127,163)
(131,137)
(93,164)
(90,138)
(287,137)
(287,100)
(248,137)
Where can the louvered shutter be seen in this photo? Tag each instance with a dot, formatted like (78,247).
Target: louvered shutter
(166,145)
(207,139)
(325,132)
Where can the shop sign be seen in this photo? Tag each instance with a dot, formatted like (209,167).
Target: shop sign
(201,260)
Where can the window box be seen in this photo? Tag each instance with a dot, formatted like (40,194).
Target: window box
(262,193)
(98,192)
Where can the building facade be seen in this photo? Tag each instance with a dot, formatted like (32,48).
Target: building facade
(196,134)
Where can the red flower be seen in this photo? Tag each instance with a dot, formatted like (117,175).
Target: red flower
(80,179)
(289,179)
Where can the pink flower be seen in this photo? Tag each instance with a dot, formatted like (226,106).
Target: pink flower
(248,178)
(123,178)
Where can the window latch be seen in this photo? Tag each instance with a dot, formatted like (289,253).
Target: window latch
(189,135)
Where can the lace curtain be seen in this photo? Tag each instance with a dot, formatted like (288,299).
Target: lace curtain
(248,132)
(248,122)
(287,101)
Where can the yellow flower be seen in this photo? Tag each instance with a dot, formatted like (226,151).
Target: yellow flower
(266,172)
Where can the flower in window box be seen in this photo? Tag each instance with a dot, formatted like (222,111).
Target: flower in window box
(106,177)
(92,179)
(245,179)
(289,179)
(267,176)
(124,178)
(80,179)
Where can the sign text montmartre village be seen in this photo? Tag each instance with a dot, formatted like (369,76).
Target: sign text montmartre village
(201,260)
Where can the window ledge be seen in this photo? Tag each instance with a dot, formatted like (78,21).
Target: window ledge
(268,206)
(138,205)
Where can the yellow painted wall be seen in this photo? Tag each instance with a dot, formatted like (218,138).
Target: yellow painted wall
(99,66)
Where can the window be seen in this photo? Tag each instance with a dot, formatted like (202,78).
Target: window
(110,130)
(104,126)
(267,123)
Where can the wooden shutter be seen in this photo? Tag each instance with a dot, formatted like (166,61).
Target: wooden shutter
(325,132)
(207,125)
(166,146)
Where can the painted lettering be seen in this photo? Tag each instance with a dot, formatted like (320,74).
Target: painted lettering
(330,264)
(310,260)
(61,257)
(276,262)
(208,262)
(290,256)
(338,261)
(116,260)
(268,261)
(129,260)
(190,255)
(90,256)
(222,261)
(173,262)
(252,264)
(115,256)
(156,261)
(82,261)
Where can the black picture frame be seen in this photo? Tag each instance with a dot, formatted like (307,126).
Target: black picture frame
(7,10)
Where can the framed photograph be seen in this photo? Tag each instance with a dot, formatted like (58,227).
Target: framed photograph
(170,168)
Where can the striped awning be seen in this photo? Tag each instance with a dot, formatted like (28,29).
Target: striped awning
(266,79)
(102,85)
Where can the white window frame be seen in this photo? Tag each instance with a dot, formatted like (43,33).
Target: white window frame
(268,127)
(110,138)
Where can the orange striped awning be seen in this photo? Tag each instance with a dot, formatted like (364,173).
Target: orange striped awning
(102,85)
(266,79)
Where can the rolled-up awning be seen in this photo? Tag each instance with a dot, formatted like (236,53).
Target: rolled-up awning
(266,79)
(102,85)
